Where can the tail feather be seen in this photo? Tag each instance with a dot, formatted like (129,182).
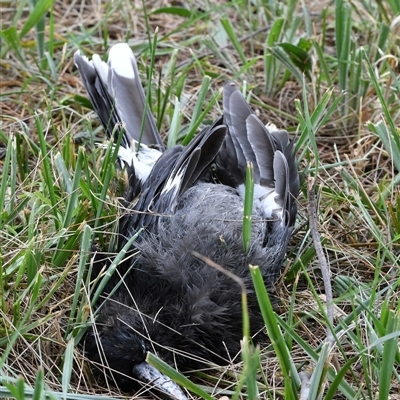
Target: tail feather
(98,93)
(130,100)
(117,95)
(118,98)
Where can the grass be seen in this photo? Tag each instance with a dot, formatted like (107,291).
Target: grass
(326,71)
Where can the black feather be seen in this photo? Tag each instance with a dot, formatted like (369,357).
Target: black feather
(170,302)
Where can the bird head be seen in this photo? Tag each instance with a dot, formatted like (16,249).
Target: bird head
(123,356)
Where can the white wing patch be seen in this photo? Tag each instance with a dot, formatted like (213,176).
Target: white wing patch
(271,127)
(142,161)
(264,200)
(174,184)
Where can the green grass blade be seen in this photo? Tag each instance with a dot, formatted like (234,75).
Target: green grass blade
(344,387)
(194,126)
(5,179)
(201,97)
(177,377)
(39,10)
(386,111)
(389,141)
(275,335)
(111,269)
(67,368)
(325,75)
(390,351)
(270,62)
(148,89)
(39,385)
(175,125)
(17,389)
(46,170)
(251,360)
(106,174)
(40,30)
(10,35)
(333,386)
(73,192)
(282,56)
(319,373)
(226,23)
(83,261)
(343,25)
(248,207)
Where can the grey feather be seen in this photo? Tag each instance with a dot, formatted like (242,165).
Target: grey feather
(130,99)
(118,98)
(281,178)
(170,301)
(271,154)
(263,149)
(99,96)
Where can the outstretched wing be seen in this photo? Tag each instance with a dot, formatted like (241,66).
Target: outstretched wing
(117,94)
(118,98)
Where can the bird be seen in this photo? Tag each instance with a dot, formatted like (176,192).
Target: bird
(183,202)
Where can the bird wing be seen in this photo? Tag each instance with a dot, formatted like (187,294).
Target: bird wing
(271,153)
(117,95)
(178,169)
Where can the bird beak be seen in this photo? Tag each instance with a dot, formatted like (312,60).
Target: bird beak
(148,374)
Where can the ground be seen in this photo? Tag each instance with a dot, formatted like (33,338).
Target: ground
(326,71)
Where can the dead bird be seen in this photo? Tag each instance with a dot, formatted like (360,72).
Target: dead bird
(185,200)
